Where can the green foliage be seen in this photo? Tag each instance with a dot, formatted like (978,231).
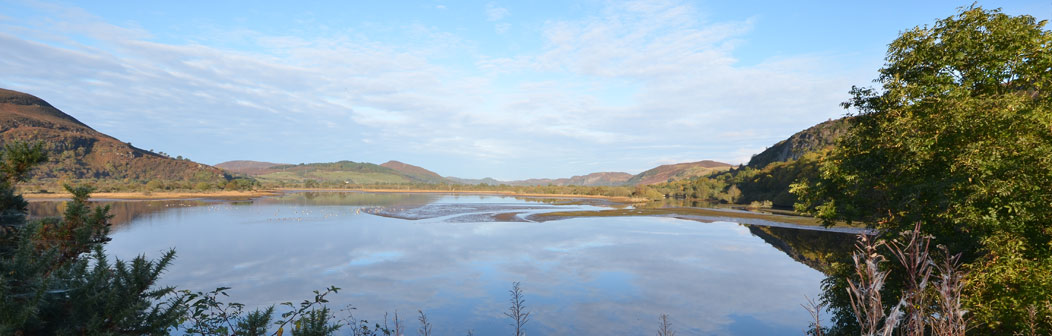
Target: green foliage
(19,157)
(54,277)
(208,315)
(1006,283)
(642,191)
(202,186)
(15,162)
(240,183)
(315,322)
(773,182)
(746,185)
(154,185)
(958,137)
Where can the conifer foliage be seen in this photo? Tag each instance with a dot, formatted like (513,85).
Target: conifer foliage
(55,277)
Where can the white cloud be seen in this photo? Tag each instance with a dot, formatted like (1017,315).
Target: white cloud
(496,13)
(502,27)
(615,89)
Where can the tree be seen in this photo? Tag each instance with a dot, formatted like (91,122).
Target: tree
(958,137)
(55,277)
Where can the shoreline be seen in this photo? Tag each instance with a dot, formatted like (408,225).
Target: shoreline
(799,222)
(160,195)
(618,199)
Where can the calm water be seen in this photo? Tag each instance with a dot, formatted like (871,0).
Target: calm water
(455,257)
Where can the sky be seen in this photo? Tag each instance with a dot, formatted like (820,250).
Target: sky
(503,89)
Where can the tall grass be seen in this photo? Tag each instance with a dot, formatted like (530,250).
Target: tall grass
(927,305)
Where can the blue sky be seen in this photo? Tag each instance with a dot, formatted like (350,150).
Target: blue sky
(508,90)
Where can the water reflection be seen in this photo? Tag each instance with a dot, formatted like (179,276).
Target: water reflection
(817,249)
(123,211)
(582,276)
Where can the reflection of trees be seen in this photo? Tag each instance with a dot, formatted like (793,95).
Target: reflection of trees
(125,211)
(122,211)
(677,203)
(814,248)
(352,199)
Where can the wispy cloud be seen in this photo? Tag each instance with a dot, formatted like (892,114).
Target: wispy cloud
(495,13)
(610,88)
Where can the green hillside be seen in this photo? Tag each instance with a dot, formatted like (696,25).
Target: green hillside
(767,177)
(339,173)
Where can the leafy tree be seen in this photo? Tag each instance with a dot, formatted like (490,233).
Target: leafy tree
(958,137)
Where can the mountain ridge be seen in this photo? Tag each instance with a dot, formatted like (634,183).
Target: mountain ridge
(77,151)
(811,139)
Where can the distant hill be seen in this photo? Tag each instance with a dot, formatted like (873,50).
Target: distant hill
(76,151)
(600,179)
(590,180)
(812,139)
(331,173)
(679,171)
(485,180)
(417,173)
(656,175)
(247,167)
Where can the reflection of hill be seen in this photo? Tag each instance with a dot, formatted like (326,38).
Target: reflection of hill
(125,211)
(817,249)
(352,198)
(122,211)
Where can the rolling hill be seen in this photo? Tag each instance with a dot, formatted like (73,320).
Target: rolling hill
(76,151)
(247,167)
(417,173)
(656,175)
(334,173)
(593,179)
(484,180)
(678,171)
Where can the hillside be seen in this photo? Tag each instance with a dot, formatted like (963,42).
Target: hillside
(247,167)
(656,175)
(770,174)
(485,180)
(812,139)
(590,180)
(76,151)
(417,173)
(333,174)
(678,171)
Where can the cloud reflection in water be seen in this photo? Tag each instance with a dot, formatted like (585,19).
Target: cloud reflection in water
(584,276)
